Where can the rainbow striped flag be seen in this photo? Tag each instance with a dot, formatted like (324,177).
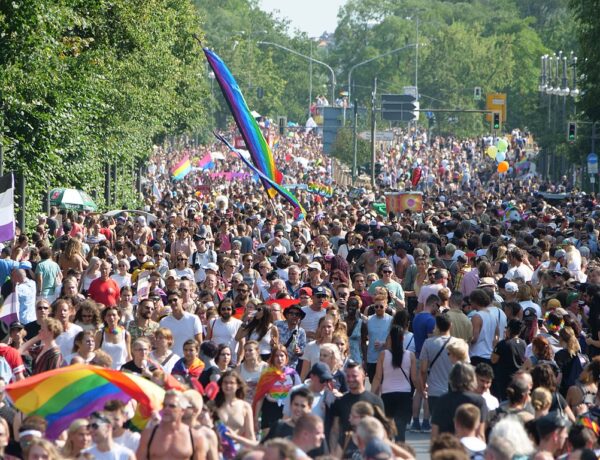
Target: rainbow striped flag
(67,393)
(259,149)
(182,169)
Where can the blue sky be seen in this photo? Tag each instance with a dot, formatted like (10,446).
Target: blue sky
(311,16)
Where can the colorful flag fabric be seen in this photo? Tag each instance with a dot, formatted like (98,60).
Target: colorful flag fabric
(7,207)
(326,191)
(403,201)
(10,309)
(65,394)
(206,162)
(182,169)
(266,382)
(262,157)
(299,211)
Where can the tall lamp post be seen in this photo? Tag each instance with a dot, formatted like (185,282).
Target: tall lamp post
(554,81)
(311,60)
(371,60)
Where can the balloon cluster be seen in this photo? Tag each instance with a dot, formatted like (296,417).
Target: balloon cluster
(498,152)
(325,191)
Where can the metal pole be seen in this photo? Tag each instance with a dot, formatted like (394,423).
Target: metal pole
(1,158)
(107,184)
(21,193)
(310,73)
(373,129)
(114,178)
(417,59)
(354,141)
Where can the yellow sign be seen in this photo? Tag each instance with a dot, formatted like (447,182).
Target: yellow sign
(497,103)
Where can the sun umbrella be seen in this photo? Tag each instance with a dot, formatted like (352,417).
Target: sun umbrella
(70,198)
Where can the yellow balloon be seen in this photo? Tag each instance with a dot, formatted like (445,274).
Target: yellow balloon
(503,167)
(491,151)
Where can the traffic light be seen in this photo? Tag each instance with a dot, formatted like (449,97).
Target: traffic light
(496,120)
(282,122)
(572,133)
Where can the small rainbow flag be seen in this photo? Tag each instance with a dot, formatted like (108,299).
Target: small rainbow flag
(182,169)
(67,393)
(261,154)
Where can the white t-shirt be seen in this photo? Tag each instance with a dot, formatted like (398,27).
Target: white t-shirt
(117,452)
(183,329)
(311,320)
(224,333)
(129,439)
(66,339)
(312,353)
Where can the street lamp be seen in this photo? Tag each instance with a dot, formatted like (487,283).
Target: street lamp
(310,59)
(371,60)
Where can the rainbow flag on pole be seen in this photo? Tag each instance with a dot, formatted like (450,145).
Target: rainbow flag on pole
(261,154)
(182,169)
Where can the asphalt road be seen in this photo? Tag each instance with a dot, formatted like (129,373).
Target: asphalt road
(420,443)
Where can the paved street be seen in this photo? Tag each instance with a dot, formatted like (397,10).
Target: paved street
(419,442)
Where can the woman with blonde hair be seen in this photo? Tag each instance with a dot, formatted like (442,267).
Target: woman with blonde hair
(541,401)
(583,394)
(78,438)
(324,334)
(41,448)
(162,353)
(458,351)
(569,359)
(72,257)
(330,355)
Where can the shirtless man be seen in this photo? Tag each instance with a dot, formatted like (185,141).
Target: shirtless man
(171,439)
(368,260)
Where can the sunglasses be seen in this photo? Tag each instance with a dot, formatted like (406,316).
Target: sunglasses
(293,313)
(173,299)
(226,309)
(379,307)
(43,308)
(243,291)
(379,247)
(181,258)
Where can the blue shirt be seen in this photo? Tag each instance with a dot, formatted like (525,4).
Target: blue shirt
(423,325)
(285,333)
(6,267)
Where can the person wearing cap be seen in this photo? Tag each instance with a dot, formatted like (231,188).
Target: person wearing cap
(314,310)
(314,275)
(104,447)
(553,430)
(291,334)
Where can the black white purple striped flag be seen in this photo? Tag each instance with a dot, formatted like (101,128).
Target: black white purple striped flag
(7,207)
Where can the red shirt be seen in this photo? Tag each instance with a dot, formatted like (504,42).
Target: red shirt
(105,292)
(13,358)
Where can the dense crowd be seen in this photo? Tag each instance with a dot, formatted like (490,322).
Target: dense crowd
(475,319)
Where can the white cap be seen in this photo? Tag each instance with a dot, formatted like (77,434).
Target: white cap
(211,266)
(511,287)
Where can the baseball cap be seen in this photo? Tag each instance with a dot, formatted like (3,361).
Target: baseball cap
(529,313)
(320,290)
(551,422)
(553,303)
(306,291)
(322,371)
(171,273)
(211,266)
(377,449)
(198,237)
(560,253)
(511,287)
(16,325)
(314,265)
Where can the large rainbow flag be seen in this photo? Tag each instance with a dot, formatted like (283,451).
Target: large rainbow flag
(65,394)
(259,149)
(299,211)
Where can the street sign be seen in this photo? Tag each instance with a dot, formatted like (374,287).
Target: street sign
(497,103)
(399,107)
(380,136)
(592,163)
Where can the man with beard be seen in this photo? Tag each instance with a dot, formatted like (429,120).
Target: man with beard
(224,329)
(291,335)
(142,325)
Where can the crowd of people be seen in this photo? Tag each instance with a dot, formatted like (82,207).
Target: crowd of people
(475,319)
